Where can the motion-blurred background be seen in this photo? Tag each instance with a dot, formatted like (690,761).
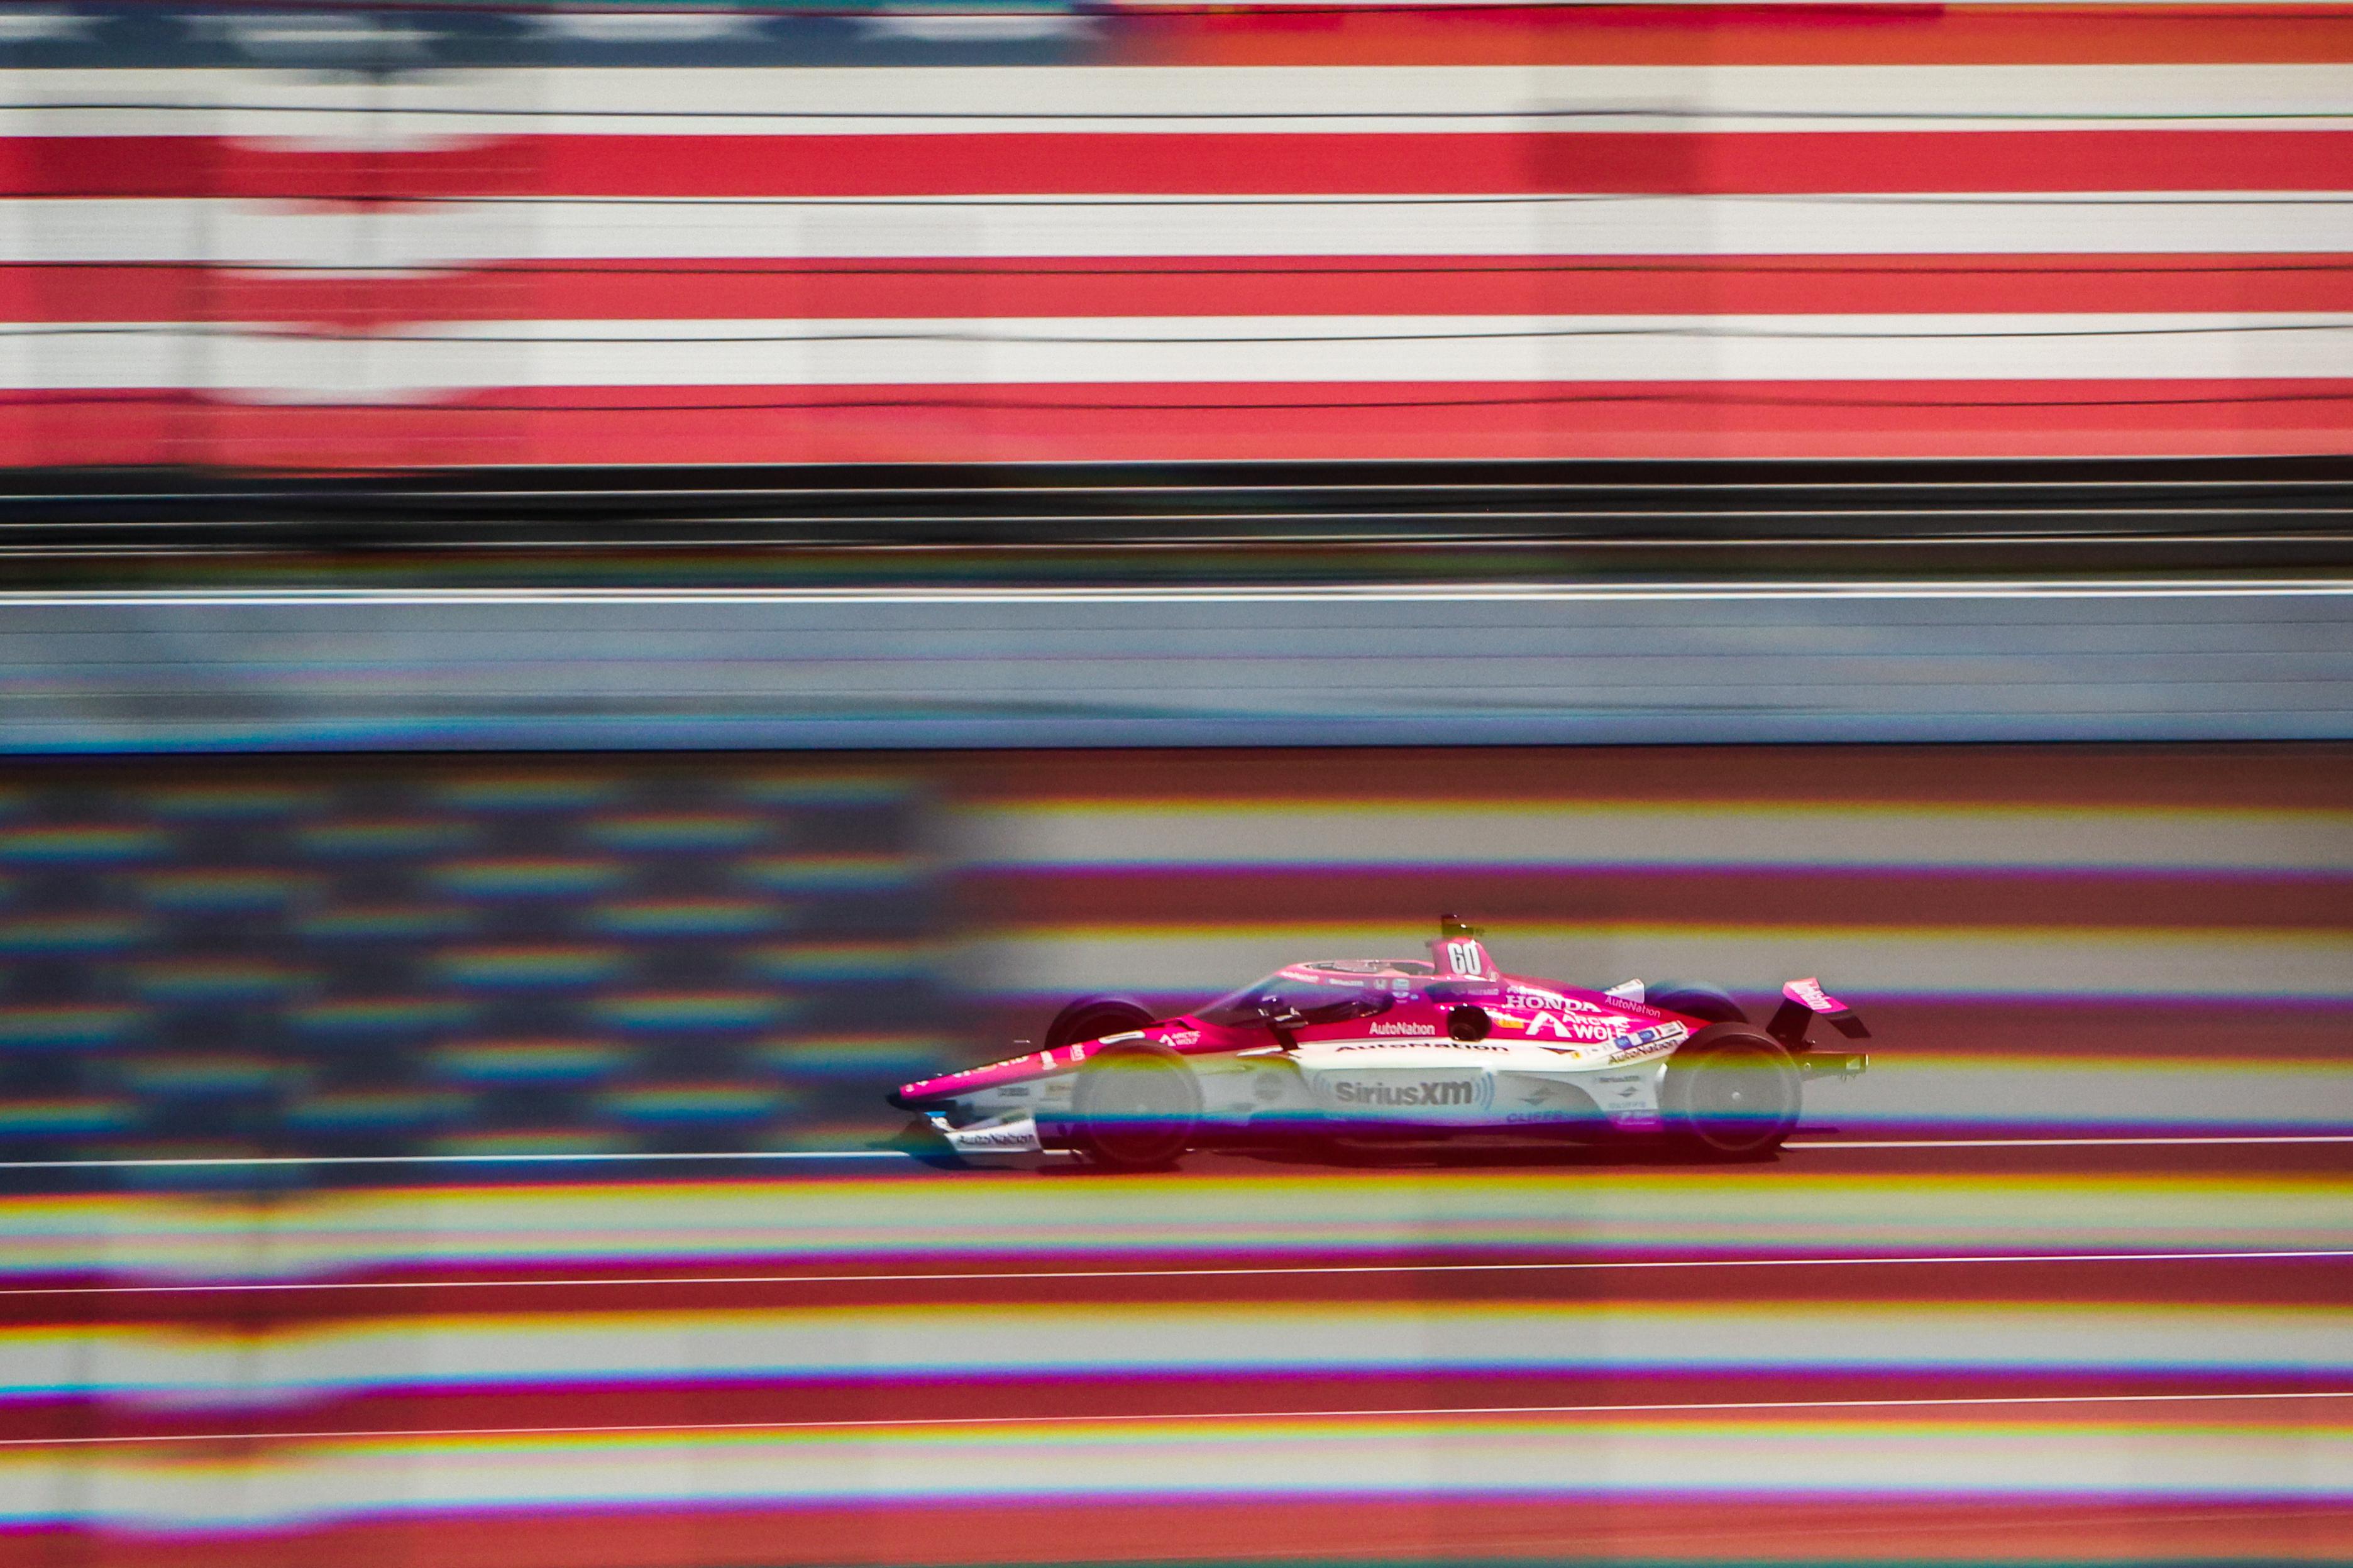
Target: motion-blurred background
(407,237)
(585,589)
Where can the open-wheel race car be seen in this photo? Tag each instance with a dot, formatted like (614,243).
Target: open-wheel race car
(1395,1050)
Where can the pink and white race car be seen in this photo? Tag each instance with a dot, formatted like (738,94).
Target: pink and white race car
(1395,1049)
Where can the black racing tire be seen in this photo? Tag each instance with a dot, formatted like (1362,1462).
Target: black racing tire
(1731,1093)
(1696,999)
(1134,1108)
(1092,1017)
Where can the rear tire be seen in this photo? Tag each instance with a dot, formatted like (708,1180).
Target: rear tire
(1134,1108)
(1092,1017)
(1731,1093)
(1695,1000)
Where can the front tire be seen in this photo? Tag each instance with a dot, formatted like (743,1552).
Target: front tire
(1134,1108)
(1092,1017)
(1731,1094)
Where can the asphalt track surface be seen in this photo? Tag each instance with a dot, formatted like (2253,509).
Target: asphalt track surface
(1960,1350)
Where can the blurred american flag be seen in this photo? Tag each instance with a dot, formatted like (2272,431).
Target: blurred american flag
(1517,231)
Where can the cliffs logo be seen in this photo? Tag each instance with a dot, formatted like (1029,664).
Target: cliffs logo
(1443,1092)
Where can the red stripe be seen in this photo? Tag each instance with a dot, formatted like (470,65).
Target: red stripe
(758,289)
(1200,422)
(2178,778)
(1666,1528)
(1194,163)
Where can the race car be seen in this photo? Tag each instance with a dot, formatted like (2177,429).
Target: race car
(1388,1049)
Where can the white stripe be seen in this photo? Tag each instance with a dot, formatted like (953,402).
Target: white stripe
(648,26)
(414,363)
(1587,834)
(428,234)
(956,100)
(513,1351)
(27,25)
(2142,1476)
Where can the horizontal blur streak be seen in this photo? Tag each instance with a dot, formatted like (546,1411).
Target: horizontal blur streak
(1628,1338)
(933,1367)
(2307,1456)
(1937,961)
(1384,664)
(1956,895)
(1599,830)
(1366,1529)
(2025,1351)
(724,288)
(993,1221)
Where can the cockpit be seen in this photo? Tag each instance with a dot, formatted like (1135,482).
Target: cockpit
(1320,1001)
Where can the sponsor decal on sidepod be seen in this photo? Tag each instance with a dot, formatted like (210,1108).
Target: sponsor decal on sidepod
(1442,1091)
(1549,1000)
(1655,1041)
(1019,1138)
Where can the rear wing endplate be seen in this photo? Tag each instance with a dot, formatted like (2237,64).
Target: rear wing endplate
(1803,1001)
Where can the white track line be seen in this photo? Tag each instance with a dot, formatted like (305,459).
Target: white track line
(1189,1417)
(1237,1271)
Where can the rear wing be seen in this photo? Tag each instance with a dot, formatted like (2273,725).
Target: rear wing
(1803,1001)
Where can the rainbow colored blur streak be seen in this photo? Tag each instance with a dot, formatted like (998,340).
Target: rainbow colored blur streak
(2063,1279)
(1836,1357)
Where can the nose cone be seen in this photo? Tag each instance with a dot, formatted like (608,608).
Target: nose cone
(918,1095)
